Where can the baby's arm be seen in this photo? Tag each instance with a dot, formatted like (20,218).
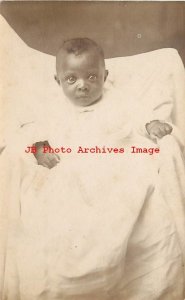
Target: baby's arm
(48,160)
(158,128)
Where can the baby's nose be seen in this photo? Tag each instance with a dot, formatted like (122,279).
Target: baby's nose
(82,85)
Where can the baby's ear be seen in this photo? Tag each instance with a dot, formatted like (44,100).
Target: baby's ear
(57,80)
(106,74)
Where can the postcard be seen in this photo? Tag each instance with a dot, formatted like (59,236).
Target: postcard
(92,168)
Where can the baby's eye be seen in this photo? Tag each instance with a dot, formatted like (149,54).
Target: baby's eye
(92,77)
(71,79)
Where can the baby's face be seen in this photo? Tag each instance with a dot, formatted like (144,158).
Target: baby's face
(82,78)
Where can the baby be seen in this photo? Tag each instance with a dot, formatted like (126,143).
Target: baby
(80,71)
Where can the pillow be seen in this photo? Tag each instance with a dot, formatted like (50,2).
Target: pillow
(156,79)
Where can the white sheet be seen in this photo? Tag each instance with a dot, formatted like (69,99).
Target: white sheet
(91,228)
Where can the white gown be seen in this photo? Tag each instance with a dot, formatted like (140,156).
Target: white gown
(96,226)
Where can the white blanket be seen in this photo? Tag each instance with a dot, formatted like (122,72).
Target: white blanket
(96,227)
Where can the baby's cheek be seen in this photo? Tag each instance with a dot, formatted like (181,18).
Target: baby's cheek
(96,89)
(68,90)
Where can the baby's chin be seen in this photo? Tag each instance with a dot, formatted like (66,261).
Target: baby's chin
(85,101)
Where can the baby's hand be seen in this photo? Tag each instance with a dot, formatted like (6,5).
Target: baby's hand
(158,128)
(48,160)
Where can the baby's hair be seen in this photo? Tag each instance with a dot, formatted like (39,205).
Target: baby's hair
(78,46)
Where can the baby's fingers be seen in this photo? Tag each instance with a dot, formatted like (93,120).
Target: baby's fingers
(53,161)
(168,129)
(46,165)
(160,132)
(163,130)
(57,157)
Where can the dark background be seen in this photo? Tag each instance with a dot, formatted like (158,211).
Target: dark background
(121,28)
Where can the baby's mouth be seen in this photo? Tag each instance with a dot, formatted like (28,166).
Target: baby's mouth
(83,96)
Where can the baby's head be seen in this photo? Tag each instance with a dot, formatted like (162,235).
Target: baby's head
(81,71)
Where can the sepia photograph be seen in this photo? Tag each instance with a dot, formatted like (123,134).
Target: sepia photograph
(92,158)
